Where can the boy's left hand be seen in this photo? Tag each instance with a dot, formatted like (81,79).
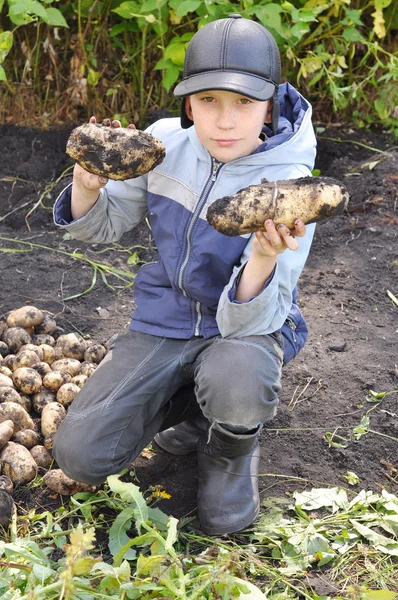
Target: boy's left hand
(277,238)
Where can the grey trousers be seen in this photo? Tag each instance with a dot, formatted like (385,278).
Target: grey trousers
(145,381)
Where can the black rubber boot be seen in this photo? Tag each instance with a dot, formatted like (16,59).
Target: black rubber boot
(228,497)
(183,438)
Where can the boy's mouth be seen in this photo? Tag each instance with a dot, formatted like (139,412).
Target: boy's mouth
(228,142)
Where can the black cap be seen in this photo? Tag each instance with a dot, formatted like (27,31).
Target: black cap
(232,54)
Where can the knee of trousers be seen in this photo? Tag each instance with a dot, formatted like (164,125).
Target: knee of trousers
(81,458)
(240,390)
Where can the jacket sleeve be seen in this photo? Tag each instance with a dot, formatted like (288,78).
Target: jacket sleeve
(266,312)
(121,205)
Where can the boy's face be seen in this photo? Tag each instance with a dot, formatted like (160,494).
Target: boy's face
(228,124)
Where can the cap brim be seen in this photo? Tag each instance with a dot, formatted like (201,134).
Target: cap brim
(240,83)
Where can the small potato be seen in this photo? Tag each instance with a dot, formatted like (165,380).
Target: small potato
(26,437)
(95,353)
(4,349)
(87,369)
(43,338)
(15,338)
(6,432)
(25,358)
(6,508)
(67,393)
(55,379)
(18,463)
(72,345)
(42,398)
(48,324)
(67,365)
(5,371)
(27,380)
(8,361)
(9,394)
(51,417)
(60,483)
(17,414)
(79,380)
(42,368)
(26,316)
(41,456)
(24,401)
(6,381)
(48,353)
(6,484)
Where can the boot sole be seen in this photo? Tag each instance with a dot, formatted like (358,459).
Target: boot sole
(171,449)
(232,529)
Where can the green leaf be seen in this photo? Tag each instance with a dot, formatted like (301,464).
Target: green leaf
(351,477)
(6,40)
(170,77)
(320,497)
(22,11)
(171,533)
(3,77)
(176,53)
(130,493)
(353,16)
(378,594)
(92,77)
(128,10)
(55,17)
(299,30)
(351,34)
(380,542)
(118,536)
(187,6)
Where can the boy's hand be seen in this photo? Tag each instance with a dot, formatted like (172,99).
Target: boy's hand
(277,238)
(88,181)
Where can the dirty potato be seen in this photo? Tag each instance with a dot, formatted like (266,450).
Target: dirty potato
(79,380)
(117,153)
(48,324)
(18,463)
(55,379)
(25,358)
(27,380)
(48,353)
(42,398)
(42,368)
(51,417)
(87,369)
(6,432)
(9,394)
(72,345)
(6,381)
(18,415)
(26,437)
(60,483)
(67,365)
(6,484)
(310,199)
(41,456)
(6,508)
(26,316)
(95,353)
(15,338)
(43,338)
(4,349)
(67,393)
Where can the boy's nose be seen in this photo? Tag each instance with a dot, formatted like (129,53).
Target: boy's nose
(225,119)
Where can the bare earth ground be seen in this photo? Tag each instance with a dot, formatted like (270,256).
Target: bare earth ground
(352,346)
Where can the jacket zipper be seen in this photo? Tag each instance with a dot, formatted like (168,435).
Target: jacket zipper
(215,166)
(292,325)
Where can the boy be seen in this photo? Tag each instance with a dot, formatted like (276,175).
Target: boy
(200,365)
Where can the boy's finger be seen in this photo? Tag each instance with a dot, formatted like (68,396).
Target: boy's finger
(288,238)
(299,228)
(116,123)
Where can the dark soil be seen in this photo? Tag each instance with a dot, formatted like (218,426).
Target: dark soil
(352,345)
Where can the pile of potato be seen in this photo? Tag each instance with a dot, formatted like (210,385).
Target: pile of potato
(41,371)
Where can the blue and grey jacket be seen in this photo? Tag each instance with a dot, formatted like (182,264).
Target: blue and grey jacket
(190,290)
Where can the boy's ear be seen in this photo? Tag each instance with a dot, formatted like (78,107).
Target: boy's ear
(268,113)
(188,108)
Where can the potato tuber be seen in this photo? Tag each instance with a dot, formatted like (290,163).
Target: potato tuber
(114,152)
(311,199)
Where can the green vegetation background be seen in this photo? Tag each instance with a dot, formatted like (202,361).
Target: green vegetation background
(61,61)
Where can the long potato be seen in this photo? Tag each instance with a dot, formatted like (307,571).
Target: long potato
(311,199)
(114,152)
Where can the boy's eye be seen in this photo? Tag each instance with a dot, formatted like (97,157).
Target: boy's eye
(245,101)
(207,99)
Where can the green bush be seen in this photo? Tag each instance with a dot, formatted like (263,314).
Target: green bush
(66,60)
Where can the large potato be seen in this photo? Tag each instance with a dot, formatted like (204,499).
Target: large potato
(6,432)
(55,379)
(6,381)
(33,348)
(26,437)
(27,380)
(26,316)
(67,393)
(9,394)
(118,153)
(18,463)
(42,368)
(15,338)
(51,417)
(42,456)
(42,398)
(310,199)
(17,414)
(60,483)
(67,365)
(72,345)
